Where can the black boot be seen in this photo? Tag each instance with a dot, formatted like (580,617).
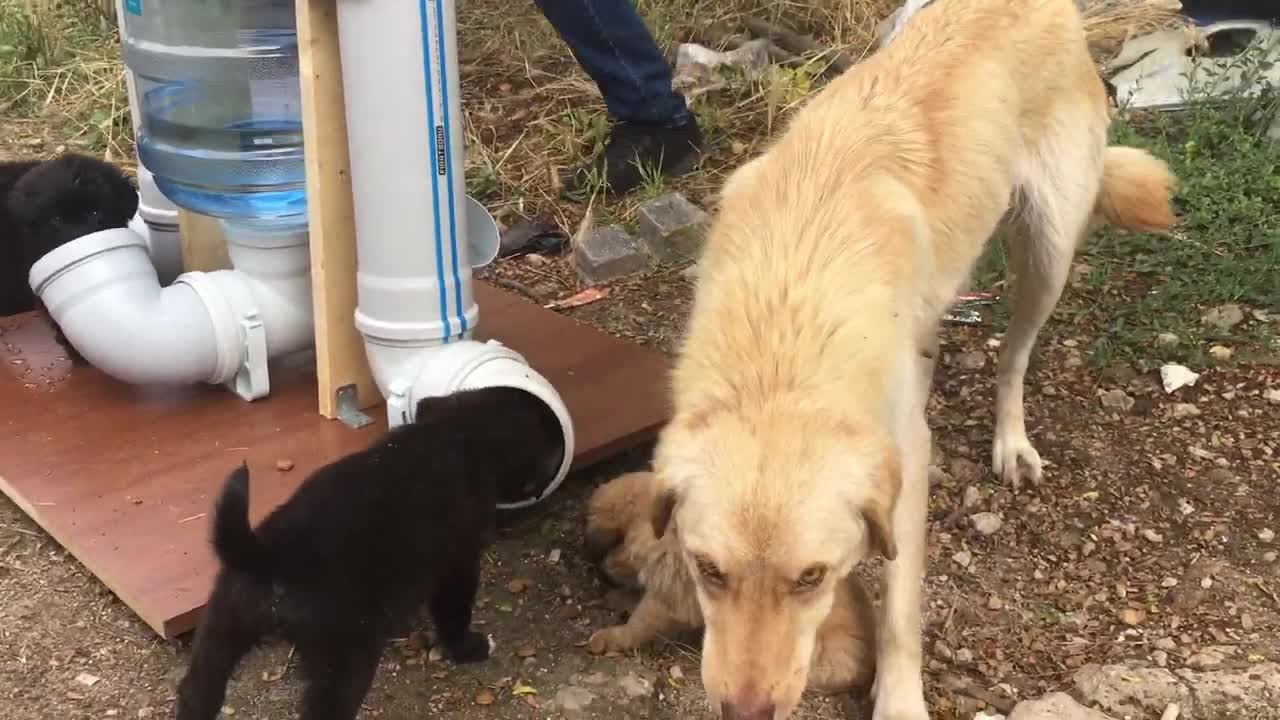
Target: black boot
(633,154)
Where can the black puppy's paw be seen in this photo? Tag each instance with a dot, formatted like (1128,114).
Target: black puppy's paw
(474,647)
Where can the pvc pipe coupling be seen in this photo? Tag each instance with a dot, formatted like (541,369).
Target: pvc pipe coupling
(472,365)
(218,327)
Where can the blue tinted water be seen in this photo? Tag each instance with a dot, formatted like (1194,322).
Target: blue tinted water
(220,106)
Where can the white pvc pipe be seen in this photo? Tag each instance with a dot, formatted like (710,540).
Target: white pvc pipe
(103,292)
(417,234)
(216,327)
(157,217)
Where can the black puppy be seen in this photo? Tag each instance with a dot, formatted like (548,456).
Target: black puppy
(15,293)
(365,542)
(46,205)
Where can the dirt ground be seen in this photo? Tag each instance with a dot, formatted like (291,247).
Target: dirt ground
(1148,531)
(1151,536)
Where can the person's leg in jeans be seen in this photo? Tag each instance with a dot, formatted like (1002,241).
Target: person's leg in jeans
(653,129)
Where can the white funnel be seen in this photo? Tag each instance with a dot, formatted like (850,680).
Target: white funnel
(417,233)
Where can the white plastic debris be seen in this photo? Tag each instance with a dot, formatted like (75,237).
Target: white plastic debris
(1174,377)
(1159,70)
(696,64)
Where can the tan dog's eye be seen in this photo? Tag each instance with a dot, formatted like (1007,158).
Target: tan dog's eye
(711,574)
(811,578)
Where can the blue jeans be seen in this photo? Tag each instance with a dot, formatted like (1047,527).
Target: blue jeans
(612,44)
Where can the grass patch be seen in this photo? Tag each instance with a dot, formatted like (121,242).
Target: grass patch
(1226,250)
(60,64)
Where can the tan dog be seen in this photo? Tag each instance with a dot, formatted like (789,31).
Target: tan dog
(620,539)
(799,444)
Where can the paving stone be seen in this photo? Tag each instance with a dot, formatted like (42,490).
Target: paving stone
(672,228)
(608,253)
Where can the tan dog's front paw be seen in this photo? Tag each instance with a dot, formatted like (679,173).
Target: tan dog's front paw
(609,640)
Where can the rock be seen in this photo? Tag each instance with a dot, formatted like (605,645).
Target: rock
(972,496)
(1128,690)
(1167,644)
(1207,658)
(1167,340)
(1152,536)
(986,523)
(963,469)
(1080,272)
(1117,400)
(1174,377)
(1133,616)
(974,360)
(608,253)
(1160,658)
(284,464)
(1220,353)
(964,656)
(1272,395)
(1054,706)
(1119,373)
(1185,410)
(1223,317)
(573,699)
(963,558)
(995,603)
(1266,535)
(672,228)
(1252,692)
(1270,556)
(1219,476)
(635,686)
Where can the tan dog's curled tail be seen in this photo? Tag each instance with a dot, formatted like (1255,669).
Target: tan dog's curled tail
(1137,190)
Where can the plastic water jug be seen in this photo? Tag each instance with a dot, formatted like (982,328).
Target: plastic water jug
(220,105)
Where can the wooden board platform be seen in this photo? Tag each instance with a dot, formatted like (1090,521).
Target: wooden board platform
(124,477)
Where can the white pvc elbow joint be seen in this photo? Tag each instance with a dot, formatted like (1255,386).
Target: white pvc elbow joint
(220,327)
(467,365)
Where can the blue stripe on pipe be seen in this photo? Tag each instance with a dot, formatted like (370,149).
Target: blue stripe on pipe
(435,183)
(453,219)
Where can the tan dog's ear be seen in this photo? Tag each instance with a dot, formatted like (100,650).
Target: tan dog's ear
(880,531)
(663,507)
(877,508)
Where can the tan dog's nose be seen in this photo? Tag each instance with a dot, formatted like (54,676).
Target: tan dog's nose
(746,710)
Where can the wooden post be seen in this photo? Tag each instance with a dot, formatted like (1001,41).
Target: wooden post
(340,357)
(204,248)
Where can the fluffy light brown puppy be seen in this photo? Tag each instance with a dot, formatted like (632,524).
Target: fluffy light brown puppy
(799,444)
(619,538)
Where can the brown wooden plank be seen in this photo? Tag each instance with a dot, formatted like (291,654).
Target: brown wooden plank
(123,477)
(203,246)
(340,358)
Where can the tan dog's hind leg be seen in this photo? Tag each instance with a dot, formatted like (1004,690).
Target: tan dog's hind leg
(1060,185)
(651,619)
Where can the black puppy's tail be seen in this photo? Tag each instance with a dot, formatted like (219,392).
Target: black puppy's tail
(233,539)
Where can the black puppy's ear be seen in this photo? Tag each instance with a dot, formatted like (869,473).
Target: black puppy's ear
(663,507)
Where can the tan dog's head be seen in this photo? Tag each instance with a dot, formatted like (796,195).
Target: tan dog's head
(770,514)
